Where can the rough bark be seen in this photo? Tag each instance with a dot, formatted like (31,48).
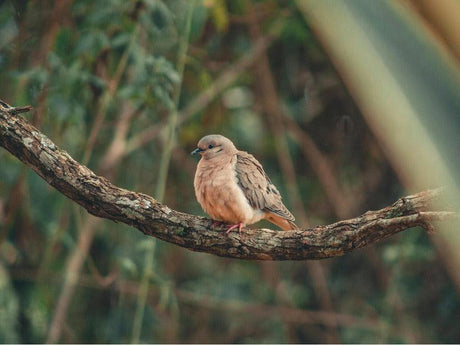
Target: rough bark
(103,199)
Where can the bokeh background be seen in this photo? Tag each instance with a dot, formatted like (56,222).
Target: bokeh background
(348,104)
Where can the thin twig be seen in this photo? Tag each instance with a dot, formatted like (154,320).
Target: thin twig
(112,86)
(5,107)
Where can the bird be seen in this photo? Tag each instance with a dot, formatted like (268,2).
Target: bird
(232,186)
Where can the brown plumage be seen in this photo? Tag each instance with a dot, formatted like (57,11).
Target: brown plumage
(232,186)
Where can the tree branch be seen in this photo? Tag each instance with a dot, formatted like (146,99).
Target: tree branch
(103,199)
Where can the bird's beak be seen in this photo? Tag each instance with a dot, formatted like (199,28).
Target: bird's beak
(197,150)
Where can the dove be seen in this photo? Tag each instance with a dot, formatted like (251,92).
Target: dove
(232,186)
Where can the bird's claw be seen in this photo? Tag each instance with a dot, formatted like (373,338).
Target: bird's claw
(239,226)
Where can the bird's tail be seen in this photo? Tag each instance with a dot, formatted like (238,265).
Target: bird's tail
(283,223)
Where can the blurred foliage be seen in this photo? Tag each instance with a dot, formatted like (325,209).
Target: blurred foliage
(67,58)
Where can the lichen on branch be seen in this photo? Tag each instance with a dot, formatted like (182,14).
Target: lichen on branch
(103,199)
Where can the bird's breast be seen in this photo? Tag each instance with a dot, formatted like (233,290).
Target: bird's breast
(219,194)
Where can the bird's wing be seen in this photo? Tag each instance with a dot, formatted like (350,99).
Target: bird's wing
(257,187)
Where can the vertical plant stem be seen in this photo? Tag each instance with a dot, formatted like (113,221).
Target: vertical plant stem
(172,123)
(143,291)
(89,225)
(161,180)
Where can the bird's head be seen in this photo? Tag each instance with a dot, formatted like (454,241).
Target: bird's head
(214,145)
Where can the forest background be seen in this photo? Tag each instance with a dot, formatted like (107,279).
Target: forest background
(129,87)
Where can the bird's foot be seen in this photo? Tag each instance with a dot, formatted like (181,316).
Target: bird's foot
(239,226)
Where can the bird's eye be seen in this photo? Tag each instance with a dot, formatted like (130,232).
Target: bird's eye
(210,146)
